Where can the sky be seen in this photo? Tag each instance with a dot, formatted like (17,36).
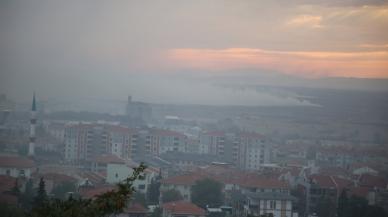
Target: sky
(177,50)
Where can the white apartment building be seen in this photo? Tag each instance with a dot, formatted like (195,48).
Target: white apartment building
(277,204)
(16,166)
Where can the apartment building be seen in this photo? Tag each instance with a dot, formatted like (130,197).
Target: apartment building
(82,142)
(246,150)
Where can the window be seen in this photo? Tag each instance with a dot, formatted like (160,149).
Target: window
(21,173)
(8,172)
(142,186)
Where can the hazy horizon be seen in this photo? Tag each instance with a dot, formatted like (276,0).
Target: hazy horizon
(183,51)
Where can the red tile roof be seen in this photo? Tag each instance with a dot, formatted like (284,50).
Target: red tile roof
(334,171)
(373,181)
(183,208)
(229,177)
(118,129)
(188,179)
(8,199)
(94,177)
(16,162)
(108,158)
(94,192)
(215,133)
(58,178)
(359,191)
(260,182)
(136,208)
(323,181)
(6,183)
(161,132)
(341,183)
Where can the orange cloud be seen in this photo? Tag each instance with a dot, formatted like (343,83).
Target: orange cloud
(373,64)
(374,46)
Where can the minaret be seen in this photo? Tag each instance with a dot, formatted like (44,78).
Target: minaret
(31,147)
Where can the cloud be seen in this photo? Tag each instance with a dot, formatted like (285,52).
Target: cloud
(374,46)
(48,45)
(305,21)
(343,3)
(305,64)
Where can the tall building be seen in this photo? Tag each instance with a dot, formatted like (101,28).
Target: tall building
(31,146)
(138,112)
(254,151)
(83,142)
(244,149)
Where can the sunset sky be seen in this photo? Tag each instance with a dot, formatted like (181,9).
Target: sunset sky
(111,40)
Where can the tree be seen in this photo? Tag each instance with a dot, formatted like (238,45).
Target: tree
(356,207)
(62,189)
(171,195)
(7,210)
(28,195)
(326,207)
(342,204)
(375,211)
(153,192)
(111,202)
(207,192)
(41,195)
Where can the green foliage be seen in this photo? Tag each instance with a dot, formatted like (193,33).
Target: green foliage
(207,192)
(111,202)
(357,207)
(7,210)
(27,196)
(153,191)
(375,211)
(326,207)
(342,204)
(41,196)
(171,195)
(61,190)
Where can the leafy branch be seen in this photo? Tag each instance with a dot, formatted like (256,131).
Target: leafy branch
(111,202)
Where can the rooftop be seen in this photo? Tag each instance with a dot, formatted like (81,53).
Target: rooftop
(16,162)
(108,158)
(136,208)
(6,183)
(183,208)
(95,191)
(188,179)
(271,196)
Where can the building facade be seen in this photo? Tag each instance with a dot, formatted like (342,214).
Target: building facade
(245,150)
(277,204)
